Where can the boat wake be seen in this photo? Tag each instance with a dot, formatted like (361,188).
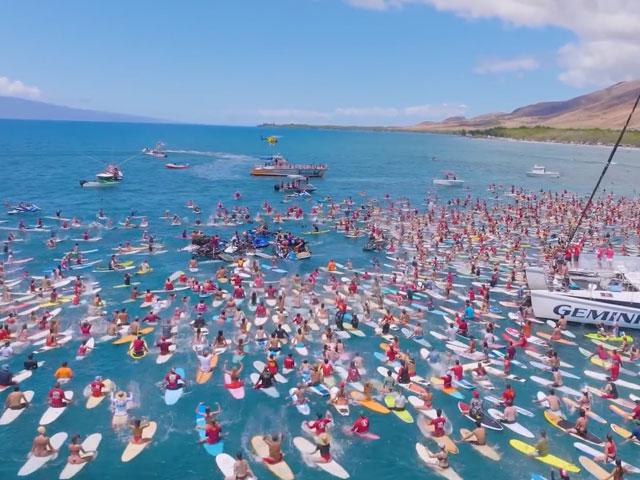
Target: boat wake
(222,155)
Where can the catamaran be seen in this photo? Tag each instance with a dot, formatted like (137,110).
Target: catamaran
(449,179)
(278,166)
(541,171)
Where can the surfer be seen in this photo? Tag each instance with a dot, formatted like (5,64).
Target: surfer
(16,400)
(137,426)
(241,468)
(274,443)
(76,453)
(57,397)
(477,436)
(41,445)
(580,427)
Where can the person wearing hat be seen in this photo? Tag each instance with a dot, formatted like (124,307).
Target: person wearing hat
(6,377)
(41,446)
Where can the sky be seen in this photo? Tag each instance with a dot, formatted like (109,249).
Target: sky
(349,62)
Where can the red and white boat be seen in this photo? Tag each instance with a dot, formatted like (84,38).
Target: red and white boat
(177,166)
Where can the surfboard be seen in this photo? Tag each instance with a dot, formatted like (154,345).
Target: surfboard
(204,377)
(271,391)
(280,469)
(425,455)
(515,427)
(592,453)
(235,389)
(593,468)
(171,397)
(51,414)
(307,449)
(9,415)
(225,463)
(372,405)
(129,338)
(564,425)
(93,402)
(132,450)
(89,444)
(552,460)
(404,415)
(426,429)
(485,450)
(212,449)
(35,463)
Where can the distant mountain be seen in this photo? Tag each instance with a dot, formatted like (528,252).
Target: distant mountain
(21,109)
(604,109)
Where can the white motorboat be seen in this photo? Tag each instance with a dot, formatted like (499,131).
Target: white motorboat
(449,179)
(155,151)
(541,171)
(595,296)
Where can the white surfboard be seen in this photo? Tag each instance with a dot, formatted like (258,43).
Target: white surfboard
(89,444)
(132,450)
(514,427)
(35,463)
(9,415)
(271,391)
(307,448)
(51,414)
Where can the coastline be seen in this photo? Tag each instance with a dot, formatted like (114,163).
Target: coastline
(473,134)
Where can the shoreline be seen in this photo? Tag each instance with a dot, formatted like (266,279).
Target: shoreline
(356,128)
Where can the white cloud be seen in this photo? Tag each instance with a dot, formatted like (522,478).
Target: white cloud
(15,88)
(607,45)
(506,65)
(367,115)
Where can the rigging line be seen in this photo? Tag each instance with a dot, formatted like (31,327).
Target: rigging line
(606,167)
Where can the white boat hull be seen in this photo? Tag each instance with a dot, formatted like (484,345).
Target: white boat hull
(448,183)
(586,308)
(546,174)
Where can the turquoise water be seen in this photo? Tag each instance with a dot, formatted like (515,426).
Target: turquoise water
(43,161)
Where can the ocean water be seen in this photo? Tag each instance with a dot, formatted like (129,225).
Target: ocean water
(43,162)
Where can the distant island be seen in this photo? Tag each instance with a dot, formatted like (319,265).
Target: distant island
(592,119)
(12,108)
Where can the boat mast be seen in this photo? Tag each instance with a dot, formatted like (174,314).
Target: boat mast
(604,170)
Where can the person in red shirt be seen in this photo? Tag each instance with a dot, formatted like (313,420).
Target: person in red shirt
(138,347)
(446,379)
(508,396)
(635,413)
(507,366)
(96,387)
(457,370)
(438,424)
(391,354)
(319,425)
(272,365)
(168,285)
(289,363)
(261,310)
(172,380)
(163,344)
(57,398)
(361,425)
(212,433)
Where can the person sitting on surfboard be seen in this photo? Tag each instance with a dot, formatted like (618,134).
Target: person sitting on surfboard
(360,425)
(16,400)
(96,387)
(173,380)
(477,436)
(580,427)
(241,468)
(57,398)
(41,446)
(77,454)
(275,453)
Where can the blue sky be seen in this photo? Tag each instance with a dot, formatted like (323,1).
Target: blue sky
(379,62)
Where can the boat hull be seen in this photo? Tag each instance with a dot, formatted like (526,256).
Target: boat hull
(551,305)
(283,172)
